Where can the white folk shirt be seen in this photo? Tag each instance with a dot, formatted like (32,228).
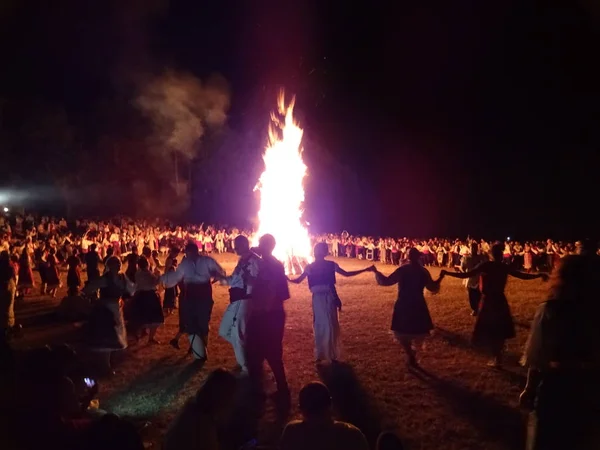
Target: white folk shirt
(245,273)
(189,271)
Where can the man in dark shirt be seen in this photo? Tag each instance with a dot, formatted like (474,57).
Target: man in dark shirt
(266,321)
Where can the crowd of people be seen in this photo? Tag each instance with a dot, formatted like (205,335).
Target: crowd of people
(116,304)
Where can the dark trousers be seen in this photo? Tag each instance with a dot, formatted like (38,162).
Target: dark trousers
(550,262)
(264,340)
(474,298)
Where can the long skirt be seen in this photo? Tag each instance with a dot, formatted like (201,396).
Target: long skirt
(170,298)
(326,326)
(411,318)
(195,309)
(106,327)
(146,310)
(52,277)
(25,277)
(494,321)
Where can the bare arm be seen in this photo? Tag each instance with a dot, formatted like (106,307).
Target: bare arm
(476,271)
(390,280)
(300,279)
(433,286)
(352,273)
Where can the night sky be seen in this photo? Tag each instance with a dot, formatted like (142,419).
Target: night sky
(421,118)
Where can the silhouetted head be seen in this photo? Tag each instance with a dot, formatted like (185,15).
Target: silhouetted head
(143,263)
(414,255)
(191,250)
(498,251)
(114,264)
(266,245)
(242,245)
(315,400)
(321,250)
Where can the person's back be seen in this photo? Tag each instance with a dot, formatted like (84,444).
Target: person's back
(196,425)
(322,435)
(318,430)
(192,429)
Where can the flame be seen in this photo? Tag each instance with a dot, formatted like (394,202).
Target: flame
(282,192)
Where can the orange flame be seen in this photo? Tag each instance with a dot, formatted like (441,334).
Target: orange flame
(282,191)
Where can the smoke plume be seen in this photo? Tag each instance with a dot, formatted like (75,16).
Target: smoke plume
(181,108)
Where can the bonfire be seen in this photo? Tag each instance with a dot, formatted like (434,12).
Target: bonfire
(281,188)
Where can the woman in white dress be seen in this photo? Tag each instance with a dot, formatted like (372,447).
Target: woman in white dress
(325,302)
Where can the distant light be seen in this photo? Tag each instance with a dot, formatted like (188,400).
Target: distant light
(508,238)
(5,209)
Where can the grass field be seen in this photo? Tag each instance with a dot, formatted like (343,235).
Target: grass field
(458,404)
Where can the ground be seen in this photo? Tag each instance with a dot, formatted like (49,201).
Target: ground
(459,404)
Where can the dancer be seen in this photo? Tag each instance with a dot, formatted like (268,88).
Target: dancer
(241,281)
(8,290)
(563,359)
(494,323)
(106,327)
(171,294)
(470,262)
(266,322)
(146,311)
(325,302)
(411,321)
(196,302)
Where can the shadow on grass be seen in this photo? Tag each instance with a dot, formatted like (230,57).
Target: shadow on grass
(153,391)
(497,422)
(455,339)
(352,402)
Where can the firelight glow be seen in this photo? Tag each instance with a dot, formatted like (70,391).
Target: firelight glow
(282,191)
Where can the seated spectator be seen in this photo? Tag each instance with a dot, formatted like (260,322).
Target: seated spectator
(196,425)
(318,430)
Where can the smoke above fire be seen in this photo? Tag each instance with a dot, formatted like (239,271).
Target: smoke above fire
(181,108)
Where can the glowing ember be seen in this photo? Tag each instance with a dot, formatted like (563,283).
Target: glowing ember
(282,192)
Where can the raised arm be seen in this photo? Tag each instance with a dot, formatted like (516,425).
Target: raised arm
(352,273)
